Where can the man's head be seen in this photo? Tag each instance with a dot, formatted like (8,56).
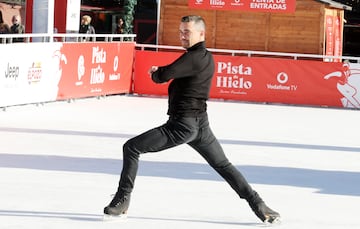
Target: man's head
(192,30)
(16,19)
(85,20)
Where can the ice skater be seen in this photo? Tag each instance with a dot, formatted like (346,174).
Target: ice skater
(191,76)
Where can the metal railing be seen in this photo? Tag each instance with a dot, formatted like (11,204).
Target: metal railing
(64,37)
(76,37)
(249,53)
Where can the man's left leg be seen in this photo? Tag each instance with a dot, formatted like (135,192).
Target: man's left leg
(210,149)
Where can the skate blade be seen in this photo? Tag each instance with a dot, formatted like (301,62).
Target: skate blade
(272,221)
(121,217)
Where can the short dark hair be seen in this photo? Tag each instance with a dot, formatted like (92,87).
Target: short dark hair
(189,18)
(195,18)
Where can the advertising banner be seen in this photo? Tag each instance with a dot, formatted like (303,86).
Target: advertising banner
(275,80)
(337,36)
(57,71)
(333,30)
(270,80)
(40,72)
(329,35)
(29,73)
(93,69)
(274,6)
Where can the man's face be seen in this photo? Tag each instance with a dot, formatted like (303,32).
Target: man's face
(190,34)
(15,20)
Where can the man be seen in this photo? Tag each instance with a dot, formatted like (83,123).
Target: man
(119,29)
(188,123)
(17,28)
(86,27)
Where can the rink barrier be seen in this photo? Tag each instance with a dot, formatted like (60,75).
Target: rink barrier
(53,70)
(39,72)
(265,77)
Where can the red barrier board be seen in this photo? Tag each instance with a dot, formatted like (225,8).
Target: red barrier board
(265,80)
(280,6)
(275,81)
(93,69)
(142,80)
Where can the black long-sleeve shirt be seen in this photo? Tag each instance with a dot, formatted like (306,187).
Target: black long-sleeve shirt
(191,76)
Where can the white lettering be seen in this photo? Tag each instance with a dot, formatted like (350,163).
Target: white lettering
(228,68)
(233,82)
(114,76)
(217,2)
(97,75)
(98,56)
(282,87)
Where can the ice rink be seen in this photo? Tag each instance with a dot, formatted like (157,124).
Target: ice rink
(60,162)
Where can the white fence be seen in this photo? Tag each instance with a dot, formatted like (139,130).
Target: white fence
(76,37)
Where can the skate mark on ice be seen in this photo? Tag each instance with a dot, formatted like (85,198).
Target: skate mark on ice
(46,214)
(222,141)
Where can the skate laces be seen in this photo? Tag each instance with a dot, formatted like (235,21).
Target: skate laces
(118,199)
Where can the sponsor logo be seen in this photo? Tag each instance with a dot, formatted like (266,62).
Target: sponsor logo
(34,73)
(115,76)
(282,79)
(11,75)
(12,72)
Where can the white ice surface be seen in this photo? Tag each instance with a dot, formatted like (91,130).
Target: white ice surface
(60,162)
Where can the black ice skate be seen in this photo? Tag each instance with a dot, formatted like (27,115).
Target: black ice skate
(118,207)
(264,213)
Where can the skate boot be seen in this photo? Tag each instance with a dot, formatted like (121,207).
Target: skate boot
(264,213)
(118,206)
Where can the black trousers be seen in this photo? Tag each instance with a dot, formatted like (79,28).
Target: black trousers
(194,131)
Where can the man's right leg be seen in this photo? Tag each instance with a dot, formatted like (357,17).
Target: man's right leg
(151,141)
(172,133)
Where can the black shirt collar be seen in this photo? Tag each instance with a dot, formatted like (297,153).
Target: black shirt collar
(198,45)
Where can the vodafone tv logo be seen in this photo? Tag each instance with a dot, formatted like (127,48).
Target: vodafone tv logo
(115,75)
(348,84)
(282,78)
(282,84)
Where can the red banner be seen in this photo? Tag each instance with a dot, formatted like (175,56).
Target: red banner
(93,69)
(333,36)
(265,80)
(280,6)
(275,81)
(329,35)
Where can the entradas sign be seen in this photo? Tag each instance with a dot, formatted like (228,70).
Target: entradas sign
(281,6)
